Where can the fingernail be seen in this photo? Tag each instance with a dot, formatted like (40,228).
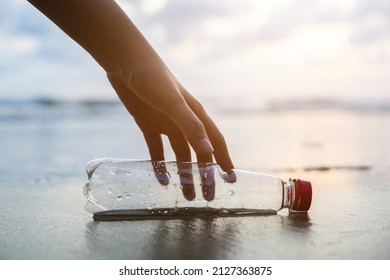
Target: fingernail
(230,176)
(205,146)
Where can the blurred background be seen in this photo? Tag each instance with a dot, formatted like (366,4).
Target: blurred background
(234,53)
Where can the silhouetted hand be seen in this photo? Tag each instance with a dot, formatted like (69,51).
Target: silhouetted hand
(153,96)
(161,105)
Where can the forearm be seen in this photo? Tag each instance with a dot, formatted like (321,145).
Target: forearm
(102,28)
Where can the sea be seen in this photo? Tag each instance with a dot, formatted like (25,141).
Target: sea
(341,146)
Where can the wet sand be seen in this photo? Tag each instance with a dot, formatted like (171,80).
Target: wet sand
(343,153)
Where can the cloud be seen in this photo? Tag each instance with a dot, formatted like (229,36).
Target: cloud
(36,57)
(365,8)
(215,46)
(372,21)
(205,30)
(185,18)
(233,23)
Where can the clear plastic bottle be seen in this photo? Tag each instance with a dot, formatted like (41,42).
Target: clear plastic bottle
(131,189)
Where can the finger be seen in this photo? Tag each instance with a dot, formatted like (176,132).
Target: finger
(205,158)
(156,151)
(186,180)
(206,172)
(228,176)
(182,115)
(218,142)
(161,173)
(155,146)
(221,153)
(183,157)
(191,126)
(180,147)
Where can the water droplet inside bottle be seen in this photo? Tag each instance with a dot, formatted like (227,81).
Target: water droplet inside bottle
(127,196)
(119,198)
(109,191)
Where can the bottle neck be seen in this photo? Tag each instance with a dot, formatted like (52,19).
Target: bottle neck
(288,194)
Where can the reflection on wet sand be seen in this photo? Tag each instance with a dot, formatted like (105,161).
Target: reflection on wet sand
(198,238)
(296,221)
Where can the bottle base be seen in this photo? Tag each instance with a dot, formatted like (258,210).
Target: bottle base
(176,213)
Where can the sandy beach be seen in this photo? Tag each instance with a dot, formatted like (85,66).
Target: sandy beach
(342,151)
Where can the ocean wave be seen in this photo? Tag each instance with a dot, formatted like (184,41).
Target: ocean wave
(314,104)
(48,101)
(330,104)
(49,109)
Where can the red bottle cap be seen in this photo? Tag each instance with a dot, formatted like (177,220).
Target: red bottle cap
(303,194)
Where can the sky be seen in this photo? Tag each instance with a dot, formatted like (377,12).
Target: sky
(222,49)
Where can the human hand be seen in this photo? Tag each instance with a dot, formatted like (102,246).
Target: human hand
(150,92)
(160,105)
